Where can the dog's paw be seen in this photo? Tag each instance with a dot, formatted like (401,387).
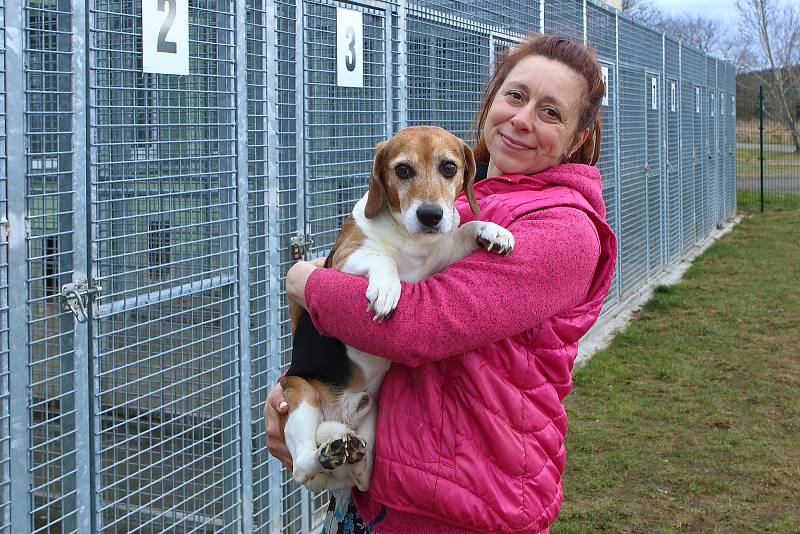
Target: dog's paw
(306,468)
(383,296)
(494,238)
(350,449)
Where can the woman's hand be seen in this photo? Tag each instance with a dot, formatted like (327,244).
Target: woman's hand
(296,279)
(274,407)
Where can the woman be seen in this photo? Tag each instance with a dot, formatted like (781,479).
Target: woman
(470,432)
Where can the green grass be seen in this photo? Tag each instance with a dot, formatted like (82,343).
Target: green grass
(748,164)
(750,201)
(690,420)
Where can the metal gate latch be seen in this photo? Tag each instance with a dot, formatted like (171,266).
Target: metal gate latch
(74,293)
(300,244)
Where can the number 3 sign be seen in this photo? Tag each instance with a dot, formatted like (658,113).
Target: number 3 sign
(165,36)
(349,48)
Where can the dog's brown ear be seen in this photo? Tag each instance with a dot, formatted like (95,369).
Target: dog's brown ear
(377,191)
(469,178)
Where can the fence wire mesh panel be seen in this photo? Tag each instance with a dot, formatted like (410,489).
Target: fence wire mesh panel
(728,109)
(672,163)
(178,199)
(343,124)
(164,231)
(505,16)
(609,170)
(5,415)
(711,143)
(447,65)
(653,172)
(633,180)
(764,130)
(564,17)
(48,167)
(262,79)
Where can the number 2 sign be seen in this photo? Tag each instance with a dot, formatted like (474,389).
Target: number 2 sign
(165,36)
(349,48)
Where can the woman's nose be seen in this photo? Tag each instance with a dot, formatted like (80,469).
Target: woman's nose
(522,121)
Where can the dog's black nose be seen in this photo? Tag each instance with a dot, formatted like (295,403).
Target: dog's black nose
(429,214)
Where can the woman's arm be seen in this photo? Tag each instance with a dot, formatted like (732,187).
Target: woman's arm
(478,300)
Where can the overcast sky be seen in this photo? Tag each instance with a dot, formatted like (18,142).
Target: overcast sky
(722,10)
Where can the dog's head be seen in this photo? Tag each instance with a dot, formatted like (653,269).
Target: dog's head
(417,175)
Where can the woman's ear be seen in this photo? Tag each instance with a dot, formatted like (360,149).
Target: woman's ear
(469,178)
(581,139)
(578,152)
(377,191)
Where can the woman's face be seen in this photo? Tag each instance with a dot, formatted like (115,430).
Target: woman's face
(533,119)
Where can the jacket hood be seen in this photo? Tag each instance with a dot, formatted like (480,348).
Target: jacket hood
(584,179)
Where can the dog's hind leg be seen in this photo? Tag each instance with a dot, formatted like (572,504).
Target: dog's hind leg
(301,425)
(361,467)
(338,445)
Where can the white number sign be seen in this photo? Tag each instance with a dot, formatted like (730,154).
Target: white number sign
(604,71)
(712,106)
(654,93)
(349,48)
(673,97)
(697,100)
(165,36)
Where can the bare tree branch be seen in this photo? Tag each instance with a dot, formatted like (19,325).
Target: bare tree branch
(778,30)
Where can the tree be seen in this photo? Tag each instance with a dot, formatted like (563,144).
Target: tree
(642,11)
(695,30)
(777,29)
(700,32)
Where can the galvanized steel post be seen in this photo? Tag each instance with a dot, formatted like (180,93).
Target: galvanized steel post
(274,467)
(86,424)
(761,144)
(244,365)
(18,332)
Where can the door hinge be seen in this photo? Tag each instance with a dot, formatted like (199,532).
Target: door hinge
(74,294)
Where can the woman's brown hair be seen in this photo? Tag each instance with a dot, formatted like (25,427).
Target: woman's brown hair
(574,55)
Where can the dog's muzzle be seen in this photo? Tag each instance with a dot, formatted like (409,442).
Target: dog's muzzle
(430,215)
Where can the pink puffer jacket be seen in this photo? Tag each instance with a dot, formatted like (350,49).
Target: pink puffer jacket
(471,427)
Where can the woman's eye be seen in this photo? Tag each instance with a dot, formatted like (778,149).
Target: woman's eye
(448,169)
(404,171)
(515,96)
(552,113)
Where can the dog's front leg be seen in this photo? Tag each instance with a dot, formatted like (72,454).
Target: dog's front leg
(480,234)
(383,291)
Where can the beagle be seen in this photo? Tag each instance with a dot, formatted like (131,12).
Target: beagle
(405,228)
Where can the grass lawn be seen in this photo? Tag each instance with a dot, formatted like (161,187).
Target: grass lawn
(748,164)
(750,201)
(690,421)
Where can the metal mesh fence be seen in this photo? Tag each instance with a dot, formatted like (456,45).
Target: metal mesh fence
(49,202)
(5,419)
(176,201)
(767,159)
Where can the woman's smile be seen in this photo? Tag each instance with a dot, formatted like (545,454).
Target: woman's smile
(513,144)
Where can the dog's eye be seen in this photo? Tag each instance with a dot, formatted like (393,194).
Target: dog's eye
(404,171)
(448,169)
